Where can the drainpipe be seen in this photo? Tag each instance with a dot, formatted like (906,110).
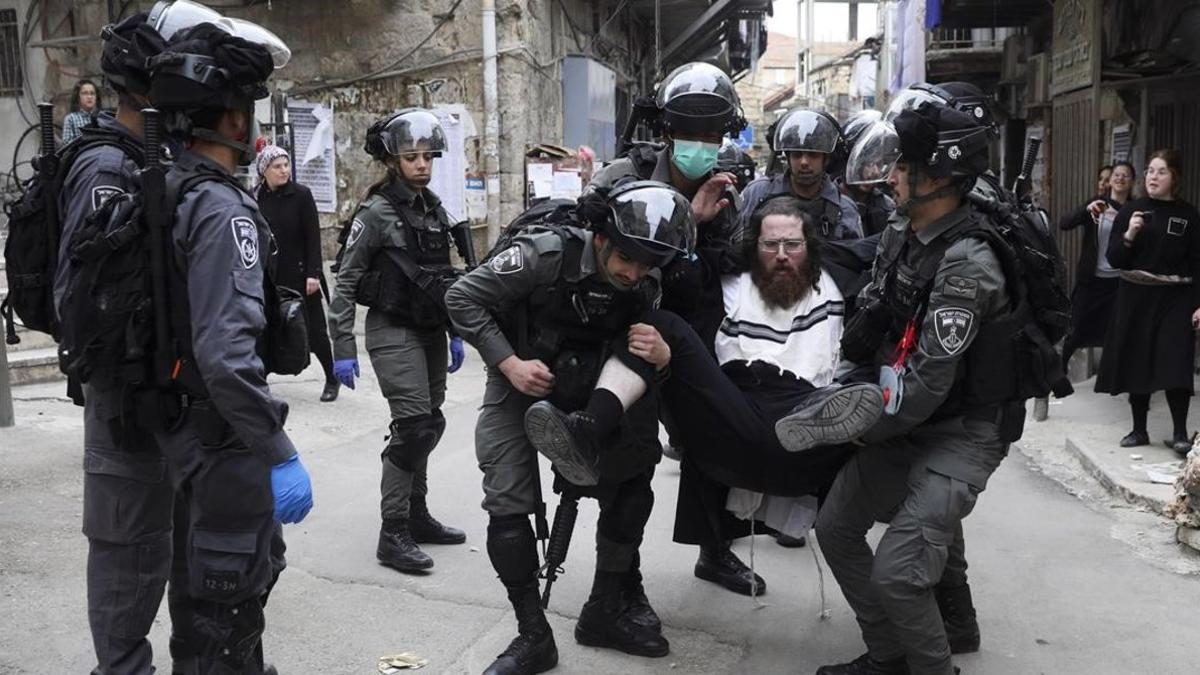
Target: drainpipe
(491,124)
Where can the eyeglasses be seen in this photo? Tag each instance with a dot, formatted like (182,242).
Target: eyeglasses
(787,245)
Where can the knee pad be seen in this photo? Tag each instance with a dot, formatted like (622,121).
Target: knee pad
(512,549)
(413,438)
(229,636)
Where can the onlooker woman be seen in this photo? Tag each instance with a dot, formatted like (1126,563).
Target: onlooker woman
(1095,279)
(1103,178)
(1155,243)
(292,214)
(85,103)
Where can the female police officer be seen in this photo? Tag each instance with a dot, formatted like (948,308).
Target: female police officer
(395,261)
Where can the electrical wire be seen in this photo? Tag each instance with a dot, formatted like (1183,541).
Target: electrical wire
(446,18)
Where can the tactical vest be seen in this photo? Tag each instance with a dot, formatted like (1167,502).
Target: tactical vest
(386,287)
(824,213)
(874,213)
(987,374)
(570,324)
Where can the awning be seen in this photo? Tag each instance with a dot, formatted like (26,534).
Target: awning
(701,29)
(990,13)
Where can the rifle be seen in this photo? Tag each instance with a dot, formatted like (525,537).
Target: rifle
(47,166)
(560,539)
(152,180)
(1021,186)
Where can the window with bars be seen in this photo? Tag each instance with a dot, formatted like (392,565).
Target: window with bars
(11,81)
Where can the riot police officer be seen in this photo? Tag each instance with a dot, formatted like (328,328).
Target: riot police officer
(544,314)
(396,261)
(737,162)
(120,465)
(812,144)
(237,470)
(937,297)
(874,206)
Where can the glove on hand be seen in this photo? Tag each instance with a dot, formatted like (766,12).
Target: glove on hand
(292,489)
(345,370)
(457,354)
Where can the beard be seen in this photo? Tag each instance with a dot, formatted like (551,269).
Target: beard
(779,285)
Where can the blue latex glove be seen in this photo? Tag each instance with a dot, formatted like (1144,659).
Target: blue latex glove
(457,354)
(345,370)
(292,490)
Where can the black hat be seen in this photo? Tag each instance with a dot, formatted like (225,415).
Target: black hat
(128,46)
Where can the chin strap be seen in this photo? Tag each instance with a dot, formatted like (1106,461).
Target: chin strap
(244,149)
(953,189)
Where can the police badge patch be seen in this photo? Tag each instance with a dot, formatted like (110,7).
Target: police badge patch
(245,237)
(356,230)
(953,325)
(508,261)
(102,193)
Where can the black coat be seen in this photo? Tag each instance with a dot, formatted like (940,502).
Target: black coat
(1088,253)
(292,215)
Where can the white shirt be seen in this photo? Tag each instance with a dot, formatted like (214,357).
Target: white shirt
(804,338)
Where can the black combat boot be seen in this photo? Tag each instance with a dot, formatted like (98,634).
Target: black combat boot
(830,415)
(605,623)
(958,614)
(533,650)
(330,392)
(865,665)
(637,605)
(722,566)
(569,441)
(398,550)
(426,529)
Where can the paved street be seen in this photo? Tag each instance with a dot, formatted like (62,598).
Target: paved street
(1066,580)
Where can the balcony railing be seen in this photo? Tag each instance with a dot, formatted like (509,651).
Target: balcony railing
(968,38)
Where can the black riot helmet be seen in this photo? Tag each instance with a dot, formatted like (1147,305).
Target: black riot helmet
(409,130)
(699,98)
(204,71)
(650,222)
(128,45)
(942,141)
(858,123)
(732,159)
(808,131)
(970,99)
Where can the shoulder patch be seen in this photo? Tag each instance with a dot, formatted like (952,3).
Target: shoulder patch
(952,325)
(356,230)
(508,261)
(960,287)
(102,193)
(245,237)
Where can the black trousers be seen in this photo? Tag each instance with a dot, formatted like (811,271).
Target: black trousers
(318,333)
(731,414)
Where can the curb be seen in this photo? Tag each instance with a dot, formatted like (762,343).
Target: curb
(1115,486)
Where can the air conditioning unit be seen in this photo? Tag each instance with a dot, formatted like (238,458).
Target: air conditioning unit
(1037,89)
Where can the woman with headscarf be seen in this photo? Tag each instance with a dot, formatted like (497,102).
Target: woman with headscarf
(1095,278)
(85,104)
(292,214)
(1155,243)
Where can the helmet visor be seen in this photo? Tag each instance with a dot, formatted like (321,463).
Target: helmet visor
(911,99)
(874,155)
(806,131)
(414,131)
(657,218)
(171,16)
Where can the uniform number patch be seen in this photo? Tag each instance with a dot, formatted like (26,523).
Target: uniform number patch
(356,230)
(1177,226)
(508,261)
(102,193)
(245,237)
(953,325)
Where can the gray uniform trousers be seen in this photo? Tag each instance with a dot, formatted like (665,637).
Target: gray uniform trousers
(923,484)
(410,364)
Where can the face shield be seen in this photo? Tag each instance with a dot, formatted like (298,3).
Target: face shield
(911,99)
(169,17)
(652,223)
(806,131)
(414,131)
(874,155)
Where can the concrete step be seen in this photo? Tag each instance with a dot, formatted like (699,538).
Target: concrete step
(30,339)
(34,365)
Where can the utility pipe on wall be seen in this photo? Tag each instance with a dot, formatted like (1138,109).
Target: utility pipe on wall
(491,124)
